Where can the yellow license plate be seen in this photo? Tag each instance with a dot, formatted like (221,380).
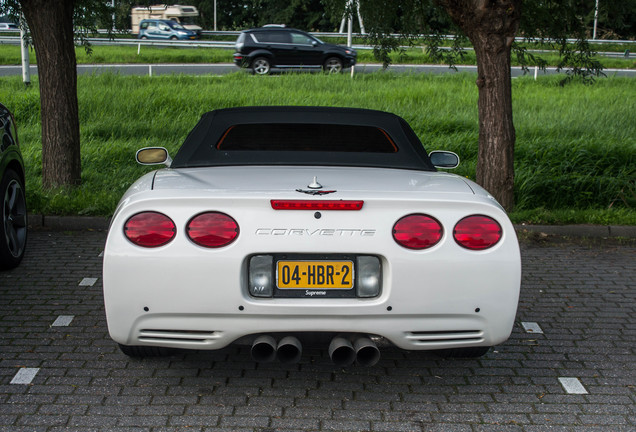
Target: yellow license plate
(314,274)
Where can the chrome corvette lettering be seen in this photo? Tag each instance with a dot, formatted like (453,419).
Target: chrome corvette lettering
(320,232)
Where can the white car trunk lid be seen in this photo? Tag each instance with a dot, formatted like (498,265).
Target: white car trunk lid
(276,179)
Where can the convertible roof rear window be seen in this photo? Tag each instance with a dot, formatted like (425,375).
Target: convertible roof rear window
(306,137)
(302,136)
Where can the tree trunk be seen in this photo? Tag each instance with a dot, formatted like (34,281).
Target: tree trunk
(495,162)
(51,26)
(491,26)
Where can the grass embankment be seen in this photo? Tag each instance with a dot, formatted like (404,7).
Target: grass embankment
(575,151)
(10,55)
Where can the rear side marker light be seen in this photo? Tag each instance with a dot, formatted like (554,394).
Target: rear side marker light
(477,232)
(261,276)
(316,205)
(212,229)
(368,276)
(150,229)
(417,231)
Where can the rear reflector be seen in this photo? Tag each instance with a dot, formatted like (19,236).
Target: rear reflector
(417,231)
(316,205)
(150,229)
(212,229)
(477,232)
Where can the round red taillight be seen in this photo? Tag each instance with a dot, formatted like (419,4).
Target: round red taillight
(477,232)
(417,231)
(150,229)
(212,229)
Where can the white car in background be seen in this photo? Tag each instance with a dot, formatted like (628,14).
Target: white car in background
(281,226)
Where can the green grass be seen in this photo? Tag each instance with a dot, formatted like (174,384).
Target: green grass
(10,55)
(575,151)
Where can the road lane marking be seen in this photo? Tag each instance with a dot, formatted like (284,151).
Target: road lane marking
(572,386)
(63,321)
(25,376)
(532,327)
(88,282)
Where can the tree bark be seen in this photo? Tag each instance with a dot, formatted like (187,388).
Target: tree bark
(51,26)
(491,26)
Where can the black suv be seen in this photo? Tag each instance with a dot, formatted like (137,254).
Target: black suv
(265,48)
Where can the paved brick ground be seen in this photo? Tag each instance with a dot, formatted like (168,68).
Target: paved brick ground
(583,298)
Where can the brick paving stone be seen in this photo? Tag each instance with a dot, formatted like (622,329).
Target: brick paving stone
(580,294)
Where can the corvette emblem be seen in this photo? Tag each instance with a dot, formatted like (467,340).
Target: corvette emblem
(315,191)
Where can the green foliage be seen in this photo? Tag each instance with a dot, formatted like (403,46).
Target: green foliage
(89,15)
(392,24)
(575,151)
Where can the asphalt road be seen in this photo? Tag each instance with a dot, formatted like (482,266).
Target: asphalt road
(570,364)
(226,68)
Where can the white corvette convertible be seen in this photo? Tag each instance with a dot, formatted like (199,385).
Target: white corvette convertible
(282,226)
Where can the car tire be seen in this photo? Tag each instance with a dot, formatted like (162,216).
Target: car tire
(261,66)
(146,351)
(173,38)
(333,65)
(143,37)
(470,352)
(13,220)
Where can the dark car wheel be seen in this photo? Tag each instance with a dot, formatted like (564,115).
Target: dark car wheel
(146,351)
(333,65)
(173,38)
(13,225)
(261,66)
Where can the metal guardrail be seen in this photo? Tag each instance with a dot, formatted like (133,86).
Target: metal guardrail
(396,35)
(15,40)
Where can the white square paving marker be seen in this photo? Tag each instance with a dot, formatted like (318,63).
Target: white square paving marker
(88,282)
(532,327)
(25,376)
(572,385)
(63,321)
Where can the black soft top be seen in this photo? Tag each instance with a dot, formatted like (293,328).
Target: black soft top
(287,135)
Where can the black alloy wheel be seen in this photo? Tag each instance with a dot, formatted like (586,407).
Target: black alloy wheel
(333,65)
(261,66)
(13,223)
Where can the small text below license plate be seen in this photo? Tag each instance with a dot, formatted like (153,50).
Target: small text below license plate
(314,274)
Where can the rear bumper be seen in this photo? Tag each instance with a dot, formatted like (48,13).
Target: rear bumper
(210,332)
(200,304)
(241,60)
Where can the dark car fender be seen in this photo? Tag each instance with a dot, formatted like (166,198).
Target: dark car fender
(347,60)
(248,58)
(12,159)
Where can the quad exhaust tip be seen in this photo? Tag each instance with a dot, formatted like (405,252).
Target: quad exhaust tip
(343,350)
(363,350)
(289,350)
(367,352)
(264,349)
